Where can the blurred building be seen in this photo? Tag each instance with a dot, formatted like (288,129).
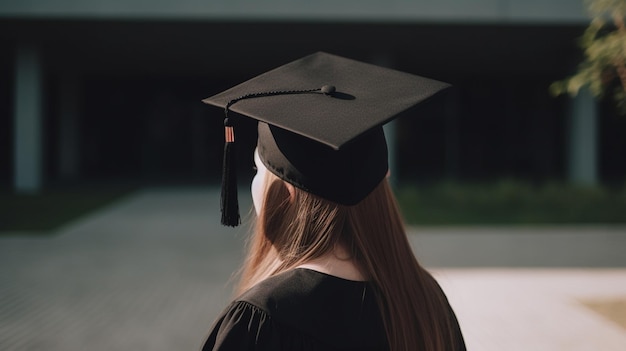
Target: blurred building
(110,90)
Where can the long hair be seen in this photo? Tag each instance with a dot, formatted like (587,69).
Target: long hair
(291,231)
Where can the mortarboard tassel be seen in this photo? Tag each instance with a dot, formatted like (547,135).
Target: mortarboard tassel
(229,201)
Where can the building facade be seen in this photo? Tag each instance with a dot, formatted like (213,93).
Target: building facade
(110,90)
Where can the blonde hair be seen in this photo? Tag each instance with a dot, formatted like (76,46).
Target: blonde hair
(295,228)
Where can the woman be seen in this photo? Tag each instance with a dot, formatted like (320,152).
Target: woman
(329,265)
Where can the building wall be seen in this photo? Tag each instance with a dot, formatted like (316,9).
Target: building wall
(6,111)
(440,11)
(141,72)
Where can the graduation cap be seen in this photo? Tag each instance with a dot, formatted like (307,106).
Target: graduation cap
(320,124)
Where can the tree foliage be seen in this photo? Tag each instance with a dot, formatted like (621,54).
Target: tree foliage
(603,69)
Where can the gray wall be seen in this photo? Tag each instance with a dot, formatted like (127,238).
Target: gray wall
(465,11)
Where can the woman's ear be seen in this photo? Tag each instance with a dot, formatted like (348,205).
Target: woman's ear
(292,191)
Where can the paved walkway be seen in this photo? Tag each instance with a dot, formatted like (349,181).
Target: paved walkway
(152,271)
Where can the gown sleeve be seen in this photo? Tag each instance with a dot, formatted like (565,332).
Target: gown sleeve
(244,326)
(240,327)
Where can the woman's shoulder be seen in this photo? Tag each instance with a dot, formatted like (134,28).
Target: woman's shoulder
(303,288)
(318,304)
(304,307)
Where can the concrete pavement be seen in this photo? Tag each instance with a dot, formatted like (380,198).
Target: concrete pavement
(151,272)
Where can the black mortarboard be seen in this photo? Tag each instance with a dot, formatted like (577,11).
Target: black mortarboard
(322,118)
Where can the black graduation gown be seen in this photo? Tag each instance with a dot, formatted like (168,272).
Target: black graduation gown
(303,309)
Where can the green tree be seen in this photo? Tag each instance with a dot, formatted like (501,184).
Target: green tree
(603,69)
